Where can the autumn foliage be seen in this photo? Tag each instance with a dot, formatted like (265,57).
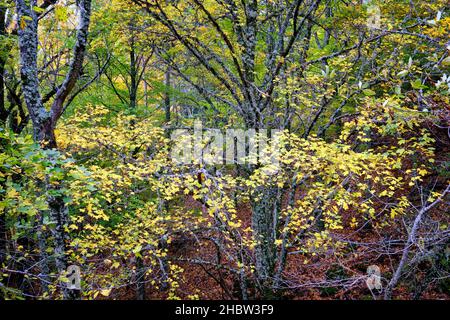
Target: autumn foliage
(360,170)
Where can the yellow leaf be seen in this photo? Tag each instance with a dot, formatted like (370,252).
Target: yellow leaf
(105,292)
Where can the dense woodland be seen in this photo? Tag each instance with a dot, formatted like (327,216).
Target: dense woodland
(91,93)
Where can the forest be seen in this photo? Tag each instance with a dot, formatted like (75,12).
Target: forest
(224,149)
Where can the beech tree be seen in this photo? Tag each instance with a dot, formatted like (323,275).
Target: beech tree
(258,54)
(334,164)
(44,122)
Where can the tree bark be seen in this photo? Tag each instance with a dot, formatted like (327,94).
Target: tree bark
(76,65)
(133,75)
(264,231)
(3,239)
(409,244)
(140,279)
(28,43)
(167,94)
(3,116)
(3,111)
(44,121)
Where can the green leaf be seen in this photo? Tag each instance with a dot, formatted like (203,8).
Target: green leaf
(137,249)
(417,84)
(38,9)
(403,73)
(446,61)
(369,92)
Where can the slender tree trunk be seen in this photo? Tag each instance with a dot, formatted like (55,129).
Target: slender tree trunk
(3,237)
(409,244)
(44,121)
(140,279)
(3,116)
(133,76)
(59,214)
(43,256)
(28,43)
(167,94)
(133,89)
(146,94)
(264,229)
(3,111)
(404,259)
(264,208)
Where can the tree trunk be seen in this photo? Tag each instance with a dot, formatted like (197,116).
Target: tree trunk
(44,121)
(133,76)
(264,232)
(167,94)
(43,256)
(3,116)
(3,111)
(3,239)
(409,244)
(140,279)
